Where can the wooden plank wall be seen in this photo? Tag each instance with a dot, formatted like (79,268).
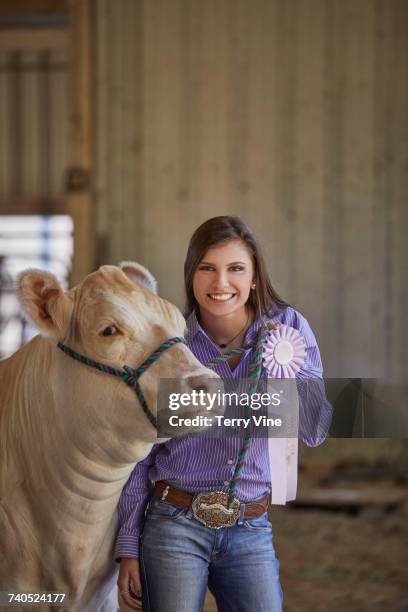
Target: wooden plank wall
(292,114)
(32,123)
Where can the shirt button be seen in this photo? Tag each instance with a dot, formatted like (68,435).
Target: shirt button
(226,482)
(230,461)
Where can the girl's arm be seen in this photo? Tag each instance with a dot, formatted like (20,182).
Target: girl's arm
(315,411)
(132,505)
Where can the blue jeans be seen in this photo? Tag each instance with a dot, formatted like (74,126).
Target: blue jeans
(179,557)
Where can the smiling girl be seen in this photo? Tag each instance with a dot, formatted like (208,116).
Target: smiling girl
(170,553)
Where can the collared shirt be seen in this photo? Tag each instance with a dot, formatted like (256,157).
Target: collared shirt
(206,463)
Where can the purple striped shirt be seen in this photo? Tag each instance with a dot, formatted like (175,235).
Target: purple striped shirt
(206,464)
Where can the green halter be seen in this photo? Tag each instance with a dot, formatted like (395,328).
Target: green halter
(255,374)
(129,375)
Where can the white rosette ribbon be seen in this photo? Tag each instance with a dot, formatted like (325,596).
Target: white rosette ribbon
(284,352)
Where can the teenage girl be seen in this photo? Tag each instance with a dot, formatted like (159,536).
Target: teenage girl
(168,557)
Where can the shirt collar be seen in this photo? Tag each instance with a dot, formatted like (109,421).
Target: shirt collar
(194,327)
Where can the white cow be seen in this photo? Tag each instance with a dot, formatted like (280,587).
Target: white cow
(70,434)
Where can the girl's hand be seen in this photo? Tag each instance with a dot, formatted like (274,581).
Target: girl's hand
(129,585)
(273,325)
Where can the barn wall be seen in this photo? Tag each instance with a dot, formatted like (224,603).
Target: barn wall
(32,123)
(291,114)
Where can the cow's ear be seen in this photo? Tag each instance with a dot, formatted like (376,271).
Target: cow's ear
(45,302)
(139,274)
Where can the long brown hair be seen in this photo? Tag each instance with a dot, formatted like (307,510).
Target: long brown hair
(217,230)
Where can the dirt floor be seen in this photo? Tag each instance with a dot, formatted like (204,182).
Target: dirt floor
(334,561)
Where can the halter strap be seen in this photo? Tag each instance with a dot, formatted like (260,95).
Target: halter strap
(256,373)
(129,375)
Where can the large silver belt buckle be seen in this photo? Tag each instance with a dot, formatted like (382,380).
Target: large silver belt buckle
(211,509)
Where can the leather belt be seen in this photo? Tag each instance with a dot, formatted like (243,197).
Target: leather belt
(210,507)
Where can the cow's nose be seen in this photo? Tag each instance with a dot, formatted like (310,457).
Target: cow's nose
(198,383)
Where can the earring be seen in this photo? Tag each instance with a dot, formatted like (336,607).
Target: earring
(253,286)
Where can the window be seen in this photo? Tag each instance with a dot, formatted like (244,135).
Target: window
(42,241)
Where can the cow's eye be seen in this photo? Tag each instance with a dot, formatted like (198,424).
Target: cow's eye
(109,331)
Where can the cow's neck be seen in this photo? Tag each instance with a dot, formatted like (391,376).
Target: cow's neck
(76,430)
